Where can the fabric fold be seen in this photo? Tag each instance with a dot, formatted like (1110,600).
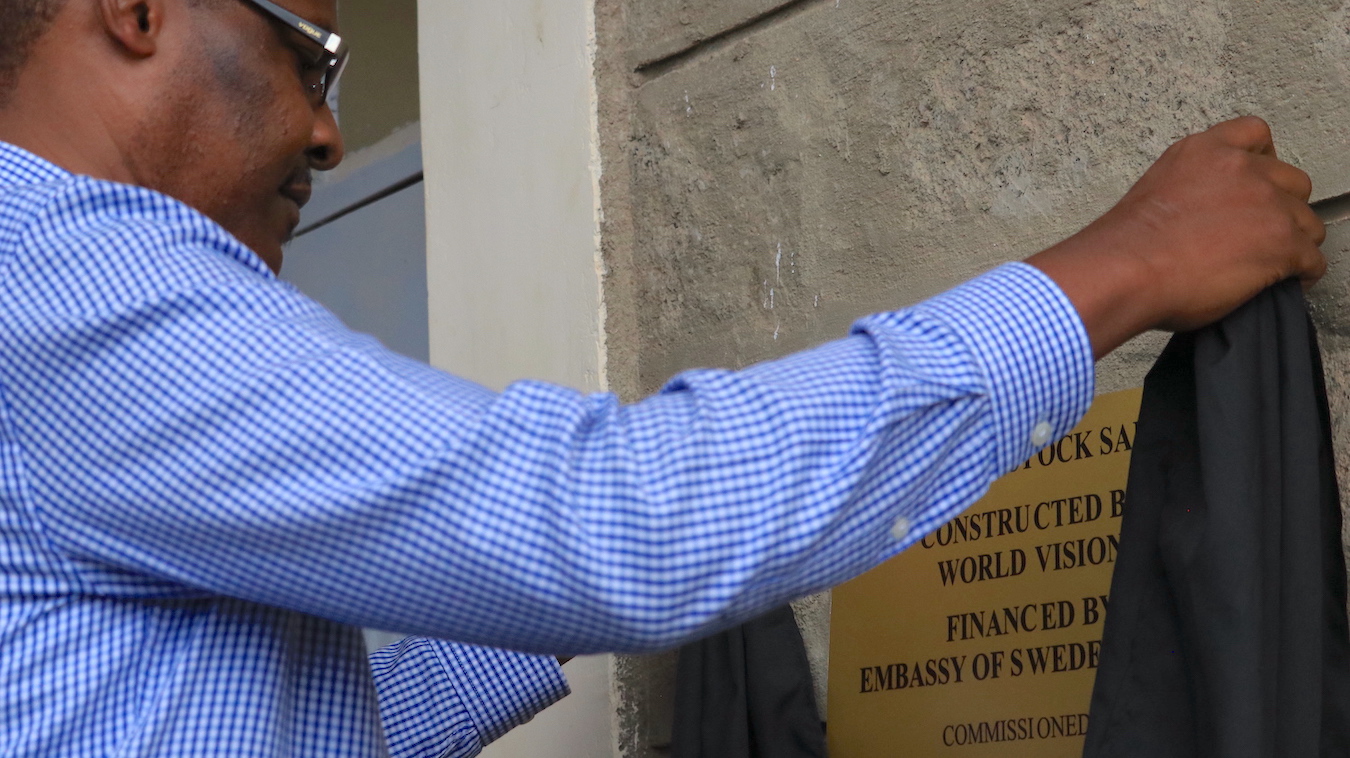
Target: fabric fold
(747,693)
(1226,633)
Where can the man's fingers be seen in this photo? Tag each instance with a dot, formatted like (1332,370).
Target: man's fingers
(1291,180)
(1306,260)
(1308,221)
(1248,133)
(1312,267)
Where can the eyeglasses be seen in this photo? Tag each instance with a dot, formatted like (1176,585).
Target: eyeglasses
(321,76)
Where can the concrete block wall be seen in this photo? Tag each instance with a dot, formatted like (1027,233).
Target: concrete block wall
(773,170)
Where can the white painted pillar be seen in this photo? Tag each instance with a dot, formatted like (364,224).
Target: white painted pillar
(510,146)
(510,149)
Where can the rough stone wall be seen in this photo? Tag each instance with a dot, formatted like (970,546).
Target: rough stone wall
(773,170)
(1330,302)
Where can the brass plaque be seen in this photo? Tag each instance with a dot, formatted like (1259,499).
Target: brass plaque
(983,639)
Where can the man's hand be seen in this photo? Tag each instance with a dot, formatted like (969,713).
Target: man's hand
(1216,220)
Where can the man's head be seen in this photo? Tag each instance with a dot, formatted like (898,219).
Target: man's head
(21,22)
(210,101)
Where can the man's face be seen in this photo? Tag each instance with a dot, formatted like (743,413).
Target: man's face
(237,133)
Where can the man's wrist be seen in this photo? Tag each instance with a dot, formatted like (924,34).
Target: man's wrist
(1114,292)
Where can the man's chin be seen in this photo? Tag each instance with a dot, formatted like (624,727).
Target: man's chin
(264,231)
(267,246)
(273,255)
(271,250)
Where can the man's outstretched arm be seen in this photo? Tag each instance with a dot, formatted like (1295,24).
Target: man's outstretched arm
(192,421)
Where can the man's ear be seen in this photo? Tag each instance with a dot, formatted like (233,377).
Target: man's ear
(134,24)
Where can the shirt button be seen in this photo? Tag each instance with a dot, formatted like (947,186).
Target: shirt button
(901,528)
(1040,436)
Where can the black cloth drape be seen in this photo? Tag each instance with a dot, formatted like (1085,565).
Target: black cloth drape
(1226,633)
(747,693)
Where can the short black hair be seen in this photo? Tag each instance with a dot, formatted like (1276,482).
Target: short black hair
(22,22)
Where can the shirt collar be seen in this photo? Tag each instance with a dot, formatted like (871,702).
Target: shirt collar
(19,167)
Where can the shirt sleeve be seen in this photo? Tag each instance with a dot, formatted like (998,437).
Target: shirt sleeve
(188,424)
(439,699)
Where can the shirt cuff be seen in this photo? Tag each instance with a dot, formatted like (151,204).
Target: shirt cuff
(440,699)
(1029,342)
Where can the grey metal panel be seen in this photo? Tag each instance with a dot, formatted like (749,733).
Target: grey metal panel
(370,268)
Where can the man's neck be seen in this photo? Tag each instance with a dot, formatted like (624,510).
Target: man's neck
(74,136)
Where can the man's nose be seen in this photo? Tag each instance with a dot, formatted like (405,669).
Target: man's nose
(326,150)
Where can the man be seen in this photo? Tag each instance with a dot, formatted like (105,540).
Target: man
(207,483)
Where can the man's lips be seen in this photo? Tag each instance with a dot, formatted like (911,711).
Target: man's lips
(298,192)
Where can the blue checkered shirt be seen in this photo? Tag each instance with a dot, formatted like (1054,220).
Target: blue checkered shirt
(208,484)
